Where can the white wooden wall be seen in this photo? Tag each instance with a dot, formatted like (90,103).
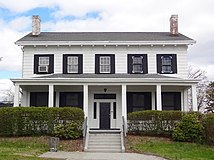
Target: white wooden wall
(120,57)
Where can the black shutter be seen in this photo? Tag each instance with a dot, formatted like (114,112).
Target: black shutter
(130,66)
(159,65)
(80,64)
(51,64)
(97,64)
(145,64)
(112,63)
(64,65)
(174,63)
(36,64)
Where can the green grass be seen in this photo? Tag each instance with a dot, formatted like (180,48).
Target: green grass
(170,149)
(22,148)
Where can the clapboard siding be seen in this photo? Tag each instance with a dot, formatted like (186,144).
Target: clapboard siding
(120,52)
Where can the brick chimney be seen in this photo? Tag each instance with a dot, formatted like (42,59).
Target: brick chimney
(174,25)
(36,25)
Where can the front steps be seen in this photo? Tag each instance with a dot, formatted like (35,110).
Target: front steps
(104,141)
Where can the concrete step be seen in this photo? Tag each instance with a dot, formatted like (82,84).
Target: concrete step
(104,150)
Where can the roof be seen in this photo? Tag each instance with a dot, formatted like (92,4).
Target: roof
(103,37)
(91,75)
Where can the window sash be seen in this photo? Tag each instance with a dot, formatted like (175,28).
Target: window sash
(137,64)
(43,61)
(72,64)
(166,64)
(105,64)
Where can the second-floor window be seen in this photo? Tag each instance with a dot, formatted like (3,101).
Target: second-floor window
(72,63)
(137,64)
(43,63)
(166,63)
(104,64)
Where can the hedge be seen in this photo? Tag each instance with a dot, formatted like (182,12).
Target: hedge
(31,121)
(153,122)
(208,123)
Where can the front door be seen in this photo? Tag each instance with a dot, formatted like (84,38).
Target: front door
(105,115)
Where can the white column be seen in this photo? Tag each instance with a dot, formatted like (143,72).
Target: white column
(85,100)
(24,98)
(158,97)
(16,96)
(185,95)
(124,107)
(153,100)
(51,96)
(194,98)
(57,99)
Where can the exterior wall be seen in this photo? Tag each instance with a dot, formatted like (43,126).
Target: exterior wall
(120,57)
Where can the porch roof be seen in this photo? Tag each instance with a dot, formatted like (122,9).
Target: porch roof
(112,79)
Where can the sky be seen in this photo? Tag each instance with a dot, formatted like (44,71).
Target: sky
(195,18)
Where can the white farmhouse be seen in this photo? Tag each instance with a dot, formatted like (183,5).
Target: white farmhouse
(107,74)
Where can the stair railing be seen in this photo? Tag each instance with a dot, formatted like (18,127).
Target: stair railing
(85,133)
(123,134)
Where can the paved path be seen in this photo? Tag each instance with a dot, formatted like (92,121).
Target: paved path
(99,156)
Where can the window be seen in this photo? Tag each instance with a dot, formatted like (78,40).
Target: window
(39,99)
(171,100)
(71,99)
(104,64)
(166,63)
(137,64)
(43,64)
(72,64)
(137,101)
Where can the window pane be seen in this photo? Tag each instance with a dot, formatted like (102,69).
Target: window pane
(104,60)
(72,68)
(138,100)
(137,60)
(72,99)
(166,69)
(166,60)
(137,68)
(43,60)
(72,60)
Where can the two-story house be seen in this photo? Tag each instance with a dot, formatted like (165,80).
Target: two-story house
(107,74)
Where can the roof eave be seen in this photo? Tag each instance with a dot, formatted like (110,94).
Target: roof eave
(85,43)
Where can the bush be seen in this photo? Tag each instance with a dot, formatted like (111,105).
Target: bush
(24,121)
(208,123)
(68,131)
(152,122)
(188,130)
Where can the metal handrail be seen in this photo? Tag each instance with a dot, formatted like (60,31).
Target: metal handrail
(85,128)
(123,136)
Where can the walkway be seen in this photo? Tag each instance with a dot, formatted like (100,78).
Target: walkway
(99,156)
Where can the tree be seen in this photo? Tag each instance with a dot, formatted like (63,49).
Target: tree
(210,97)
(9,95)
(195,73)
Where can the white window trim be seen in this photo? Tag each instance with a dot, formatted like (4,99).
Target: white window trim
(108,64)
(166,65)
(75,64)
(137,64)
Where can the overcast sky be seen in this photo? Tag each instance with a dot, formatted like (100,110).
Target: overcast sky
(196,20)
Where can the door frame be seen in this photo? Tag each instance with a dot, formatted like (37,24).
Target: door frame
(111,101)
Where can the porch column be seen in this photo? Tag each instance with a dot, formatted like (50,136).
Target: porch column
(124,107)
(194,98)
(85,100)
(16,96)
(153,100)
(158,97)
(24,99)
(51,95)
(185,98)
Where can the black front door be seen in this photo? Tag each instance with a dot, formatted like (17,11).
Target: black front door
(105,115)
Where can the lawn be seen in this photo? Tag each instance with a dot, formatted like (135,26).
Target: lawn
(29,148)
(169,149)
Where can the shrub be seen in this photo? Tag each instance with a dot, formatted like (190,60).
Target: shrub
(208,123)
(152,122)
(68,131)
(188,130)
(24,121)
